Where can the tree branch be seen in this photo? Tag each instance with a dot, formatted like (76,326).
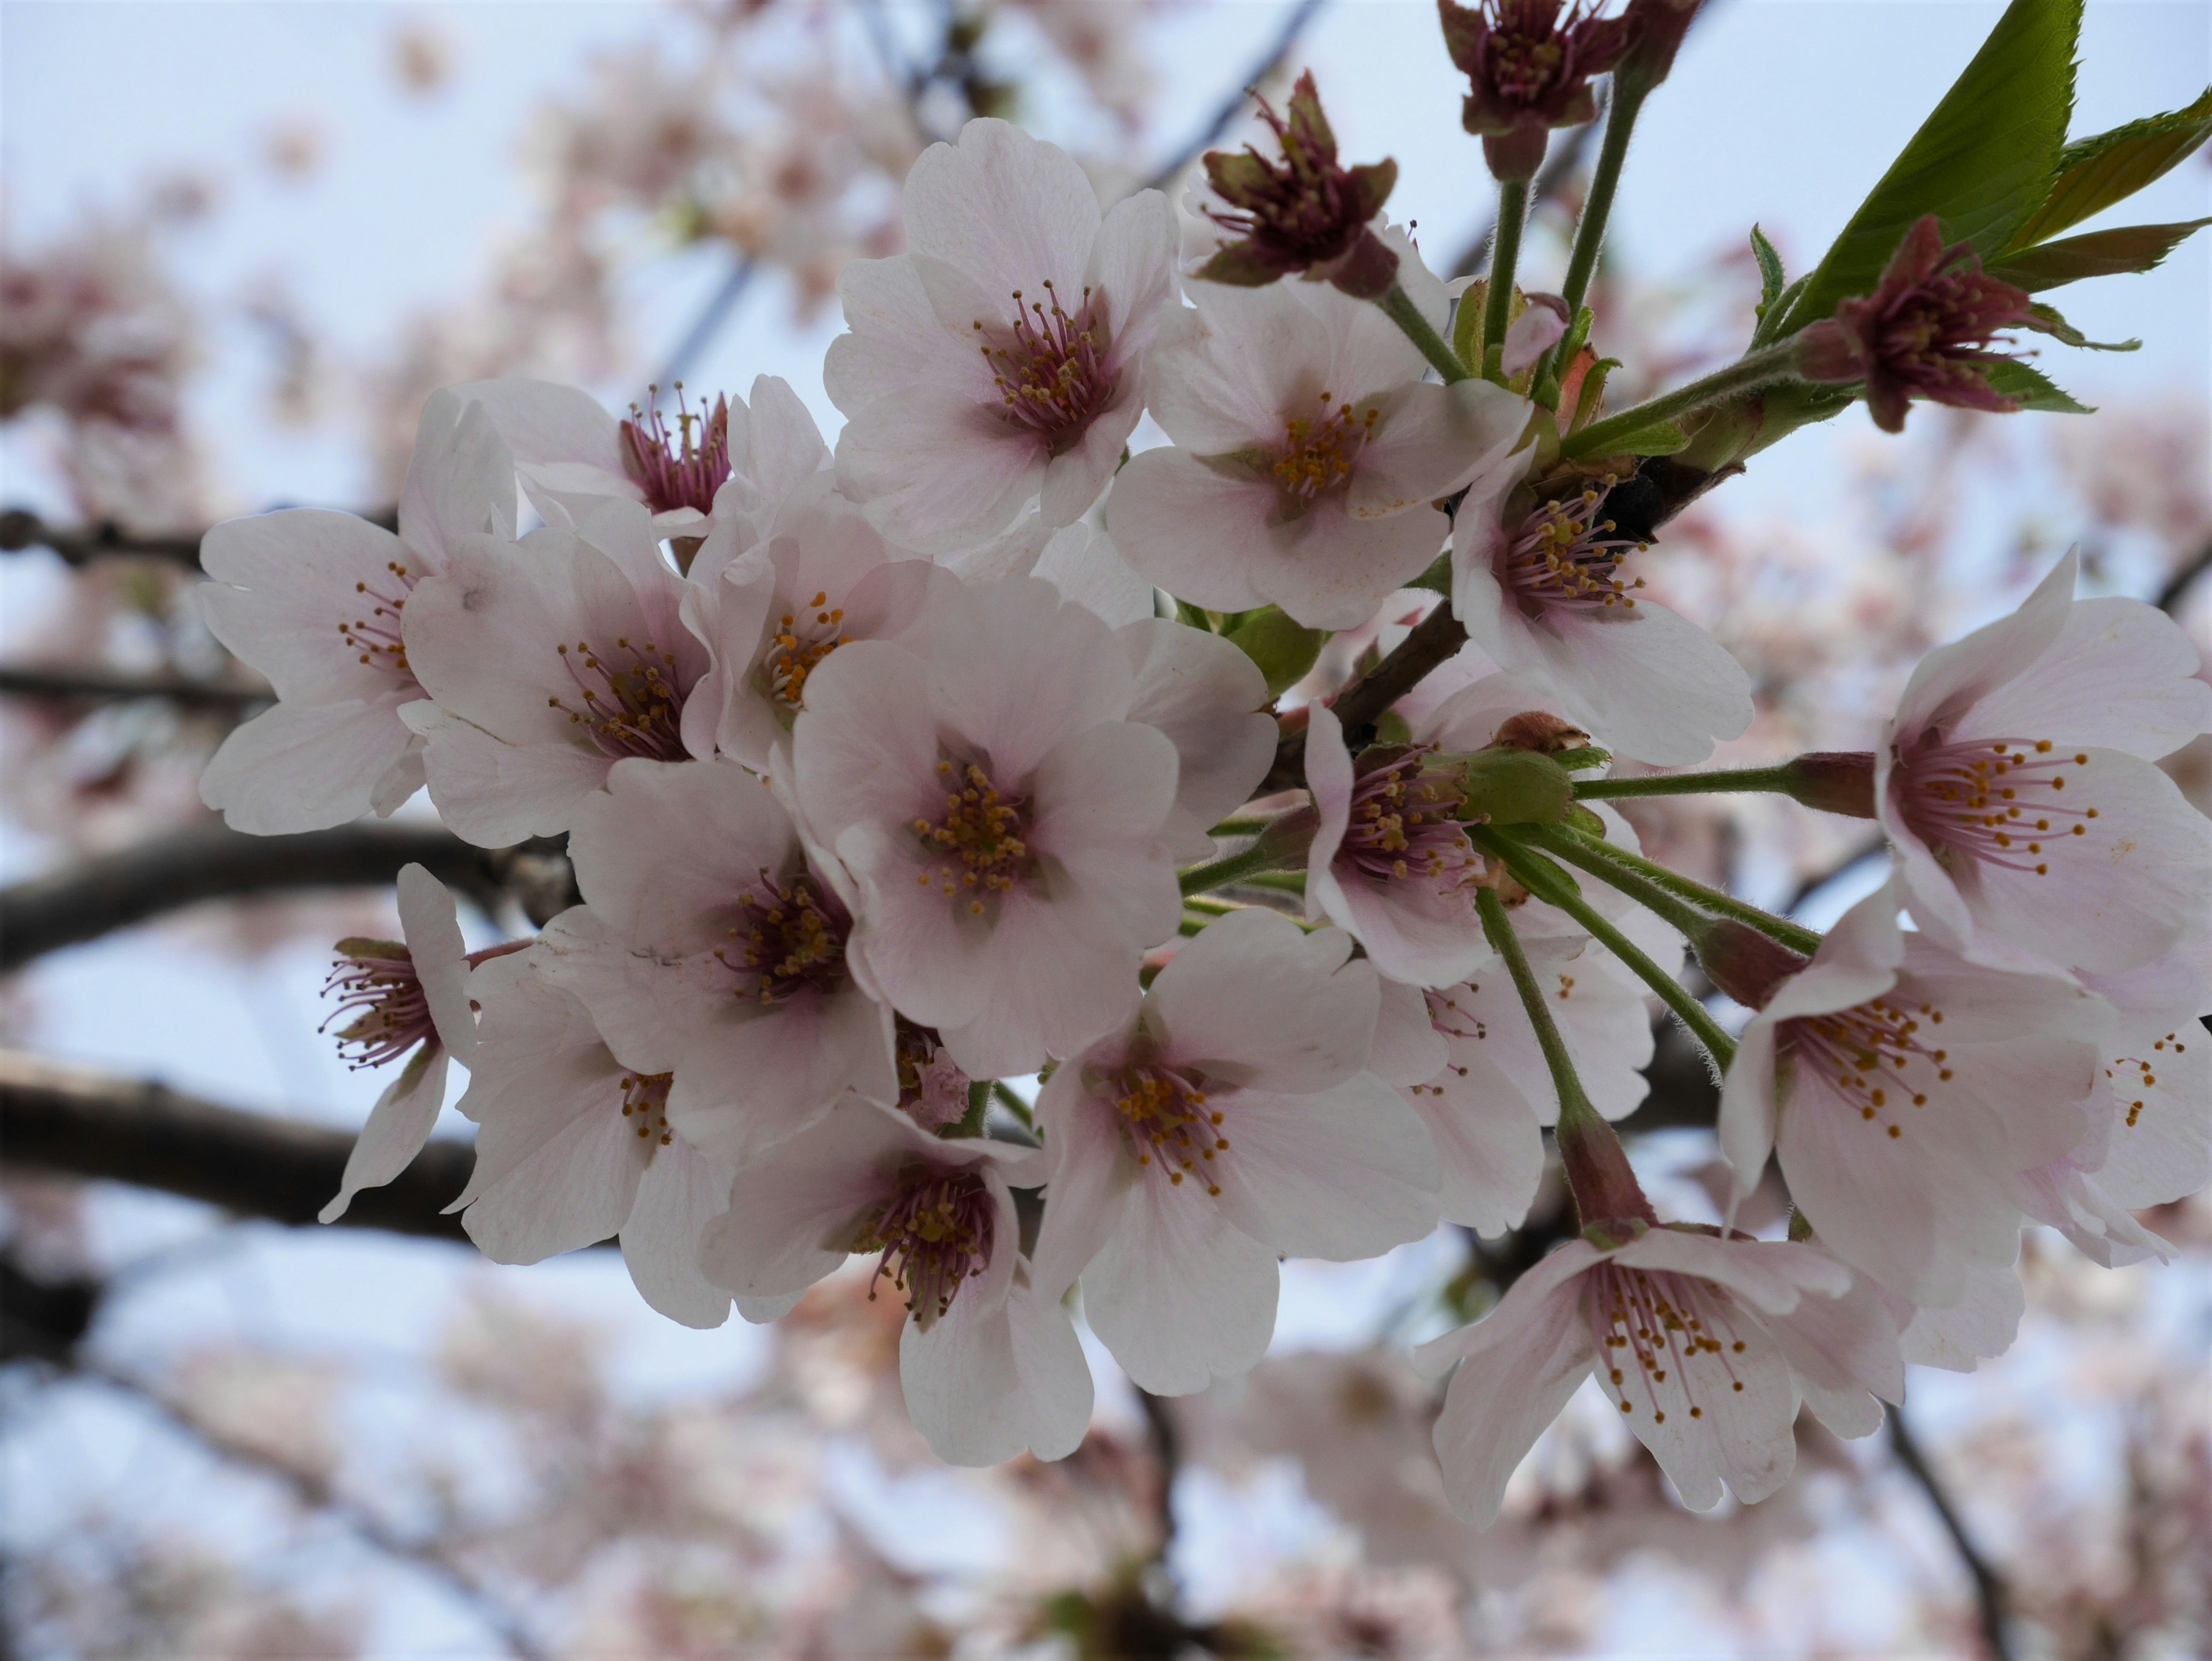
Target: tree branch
(81,544)
(50,685)
(1232,106)
(1436,638)
(2178,585)
(1990,1593)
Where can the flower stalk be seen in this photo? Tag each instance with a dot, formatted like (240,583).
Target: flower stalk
(1398,306)
(1834,781)
(1661,890)
(1751,371)
(1505,254)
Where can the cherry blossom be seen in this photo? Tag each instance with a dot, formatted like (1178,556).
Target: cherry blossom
(2015,784)
(1695,1338)
(316,600)
(1230,1122)
(1309,452)
(1002,819)
(1001,360)
(990,1368)
(712,948)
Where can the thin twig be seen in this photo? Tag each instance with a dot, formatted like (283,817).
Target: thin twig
(709,324)
(1436,638)
(80,686)
(1287,38)
(2178,585)
(81,544)
(1989,1592)
(1167,1456)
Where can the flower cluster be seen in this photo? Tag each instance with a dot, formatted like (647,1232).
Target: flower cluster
(893,772)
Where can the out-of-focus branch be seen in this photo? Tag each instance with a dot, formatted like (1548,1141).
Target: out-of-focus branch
(118,890)
(50,685)
(1286,40)
(1167,1458)
(1558,168)
(81,544)
(84,1122)
(709,322)
(2178,585)
(1990,1593)
(1434,639)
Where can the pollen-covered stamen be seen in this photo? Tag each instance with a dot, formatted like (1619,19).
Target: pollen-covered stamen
(2134,1077)
(1446,1016)
(1994,801)
(1319,451)
(977,846)
(1052,371)
(1169,1120)
(789,937)
(1402,828)
(939,1227)
(1850,1048)
(628,701)
(1565,555)
(645,1103)
(1653,1330)
(375,636)
(804,635)
(381,1012)
(682,468)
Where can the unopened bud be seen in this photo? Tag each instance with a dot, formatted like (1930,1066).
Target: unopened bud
(1284,649)
(1834,781)
(1514,787)
(1659,28)
(1539,730)
(1743,963)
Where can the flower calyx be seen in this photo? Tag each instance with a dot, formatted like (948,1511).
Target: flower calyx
(1529,63)
(1832,781)
(1306,213)
(1508,784)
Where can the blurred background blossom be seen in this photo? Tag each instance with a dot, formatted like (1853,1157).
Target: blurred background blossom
(238,249)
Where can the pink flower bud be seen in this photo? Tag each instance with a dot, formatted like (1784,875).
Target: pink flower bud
(1743,963)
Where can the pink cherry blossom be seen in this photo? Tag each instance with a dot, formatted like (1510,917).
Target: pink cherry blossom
(711,947)
(1541,590)
(573,1147)
(2015,784)
(552,660)
(1903,1087)
(990,1368)
(1695,1339)
(1000,361)
(315,600)
(1211,701)
(1002,817)
(1228,1123)
(1308,452)
(396,997)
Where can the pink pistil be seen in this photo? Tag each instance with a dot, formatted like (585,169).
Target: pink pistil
(1053,372)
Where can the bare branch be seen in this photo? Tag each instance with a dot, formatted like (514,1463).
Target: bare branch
(1435,638)
(2178,585)
(81,544)
(1990,1593)
(1286,40)
(50,685)
(84,1122)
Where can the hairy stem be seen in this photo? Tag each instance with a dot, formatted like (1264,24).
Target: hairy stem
(1754,369)
(1230,867)
(1398,306)
(1506,253)
(1597,207)
(1777,779)
(1498,929)
(1635,876)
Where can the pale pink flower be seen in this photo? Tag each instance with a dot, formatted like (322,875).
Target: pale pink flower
(1904,1088)
(1958,1337)
(1003,818)
(1698,1340)
(316,601)
(1541,590)
(550,660)
(573,1147)
(395,997)
(1000,361)
(1228,1123)
(712,947)
(2015,783)
(1308,452)
(990,1368)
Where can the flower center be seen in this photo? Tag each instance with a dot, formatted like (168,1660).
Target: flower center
(375,638)
(939,1227)
(1660,1328)
(682,468)
(1319,451)
(1165,1117)
(804,636)
(1851,1046)
(645,1098)
(1402,830)
(789,937)
(932,1090)
(1993,801)
(380,1002)
(978,843)
(1566,557)
(631,703)
(1051,372)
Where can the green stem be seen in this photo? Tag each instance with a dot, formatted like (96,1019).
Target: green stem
(1284,882)
(1231,867)
(1506,253)
(1777,779)
(1207,908)
(978,1103)
(1633,875)
(1398,306)
(1013,1103)
(1498,929)
(1554,887)
(1754,369)
(1240,827)
(1605,179)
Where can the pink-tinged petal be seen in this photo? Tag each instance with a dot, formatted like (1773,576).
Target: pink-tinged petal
(1259,1003)
(1514,1380)
(933,959)
(1408,1049)
(1343,1174)
(1489,1149)
(542,421)
(640,1004)
(1107,789)
(1224,378)
(896,341)
(865,745)
(2160,1149)
(1413,933)
(1844,1351)
(284,584)
(460,480)
(1750,1111)
(792,1220)
(1132,265)
(494,794)
(1059,973)
(1180,1296)
(938,468)
(1432,440)
(398,1125)
(782,448)
(1330,571)
(1529,336)
(485,638)
(1087,568)
(305,766)
(1075,478)
(994,1379)
(1003,208)
(1772,1277)
(1951,679)
(747,1079)
(1981,1324)
(1555,1273)
(670,846)
(2121,675)
(1200,534)
(396,785)
(430,924)
(1055,1377)
(1072,674)
(680,1194)
(1211,702)
(1089,1176)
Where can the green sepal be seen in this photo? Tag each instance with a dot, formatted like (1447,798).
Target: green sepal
(2048,319)
(2030,389)
(2092,174)
(1771,280)
(1586,819)
(2121,251)
(1515,787)
(362,945)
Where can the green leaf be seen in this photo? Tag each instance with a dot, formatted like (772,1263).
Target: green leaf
(1981,163)
(1769,270)
(2031,390)
(2048,319)
(2098,253)
(1771,317)
(2095,173)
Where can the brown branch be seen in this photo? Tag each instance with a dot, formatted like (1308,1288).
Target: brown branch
(1990,1597)
(83,1122)
(81,544)
(1295,24)
(80,686)
(2178,585)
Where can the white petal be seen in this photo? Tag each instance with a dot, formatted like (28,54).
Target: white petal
(398,1125)
(680,1194)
